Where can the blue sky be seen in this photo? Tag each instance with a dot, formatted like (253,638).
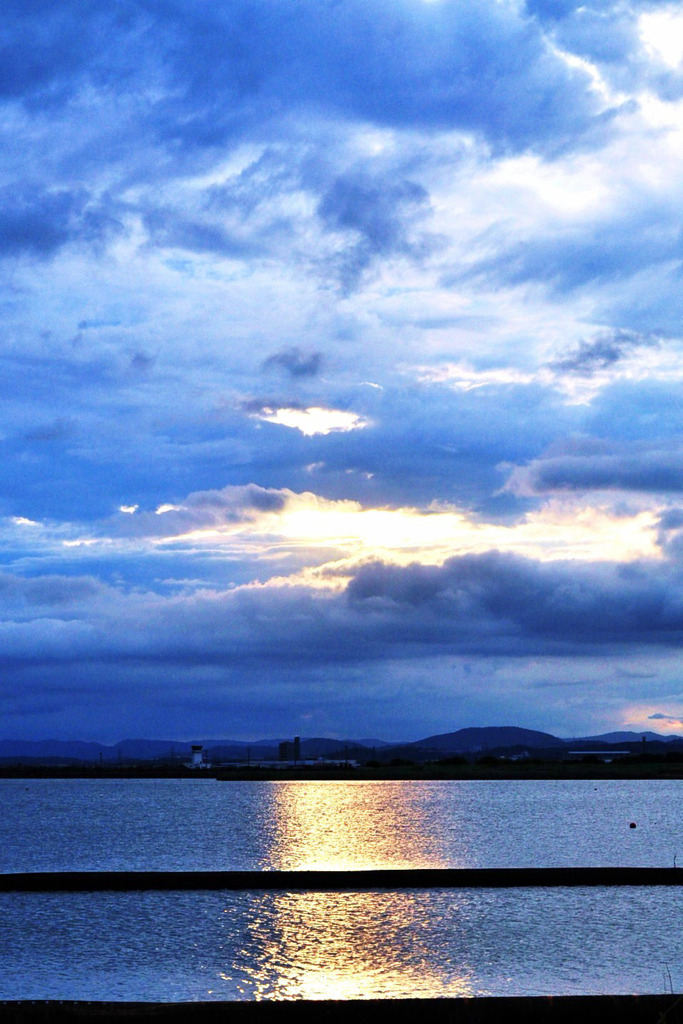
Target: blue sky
(341,359)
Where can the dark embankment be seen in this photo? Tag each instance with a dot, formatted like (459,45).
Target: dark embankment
(336,881)
(635,768)
(660,1009)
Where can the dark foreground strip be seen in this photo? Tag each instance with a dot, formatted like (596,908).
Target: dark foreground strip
(665,1009)
(335,881)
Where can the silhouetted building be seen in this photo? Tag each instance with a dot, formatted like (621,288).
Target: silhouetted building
(290,751)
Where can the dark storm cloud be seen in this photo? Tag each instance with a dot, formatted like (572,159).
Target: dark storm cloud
(267,406)
(479,67)
(169,229)
(490,604)
(38,221)
(602,350)
(375,208)
(276,170)
(671,519)
(378,211)
(295,362)
(43,52)
(639,238)
(595,30)
(591,464)
(152,91)
(370,208)
(670,533)
(495,599)
(17,592)
(251,497)
(200,510)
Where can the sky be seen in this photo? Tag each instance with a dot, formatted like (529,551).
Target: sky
(341,362)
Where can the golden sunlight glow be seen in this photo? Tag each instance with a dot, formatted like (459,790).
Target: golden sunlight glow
(586,533)
(340,534)
(374,529)
(559,530)
(314,420)
(351,945)
(650,718)
(324,825)
(362,945)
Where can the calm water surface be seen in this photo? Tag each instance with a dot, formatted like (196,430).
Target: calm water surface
(351,945)
(186,824)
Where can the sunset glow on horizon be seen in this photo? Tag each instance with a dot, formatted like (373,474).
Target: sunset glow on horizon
(343,363)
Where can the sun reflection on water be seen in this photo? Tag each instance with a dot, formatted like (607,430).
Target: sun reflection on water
(359,945)
(362,945)
(353,826)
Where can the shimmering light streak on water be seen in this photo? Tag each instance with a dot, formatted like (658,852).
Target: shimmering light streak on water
(199,945)
(347,945)
(359,825)
(193,946)
(143,825)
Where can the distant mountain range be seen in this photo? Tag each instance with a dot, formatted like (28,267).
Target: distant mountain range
(493,740)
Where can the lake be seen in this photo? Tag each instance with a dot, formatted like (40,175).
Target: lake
(218,945)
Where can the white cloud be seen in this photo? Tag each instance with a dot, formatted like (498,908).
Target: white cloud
(663,363)
(314,420)
(662,34)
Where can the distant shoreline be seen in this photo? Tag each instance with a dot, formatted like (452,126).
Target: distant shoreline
(505,771)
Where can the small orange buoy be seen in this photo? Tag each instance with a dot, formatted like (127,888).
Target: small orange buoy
(632,825)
